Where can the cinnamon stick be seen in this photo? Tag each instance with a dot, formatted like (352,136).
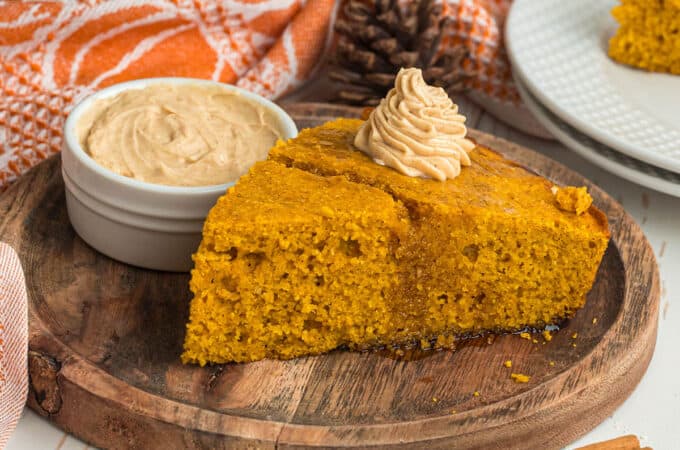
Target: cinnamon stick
(629,442)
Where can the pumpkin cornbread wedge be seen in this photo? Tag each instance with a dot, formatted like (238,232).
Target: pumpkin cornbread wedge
(648,36)
(321,247)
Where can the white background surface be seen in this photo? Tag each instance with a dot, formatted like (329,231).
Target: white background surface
(653,410)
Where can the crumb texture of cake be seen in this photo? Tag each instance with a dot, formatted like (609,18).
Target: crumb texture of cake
(319,247)
(648,36)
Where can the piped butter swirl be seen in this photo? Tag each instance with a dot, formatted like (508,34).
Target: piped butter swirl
(416,130)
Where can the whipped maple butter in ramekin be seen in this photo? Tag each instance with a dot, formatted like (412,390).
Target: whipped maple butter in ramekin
(178,135)
(145,160)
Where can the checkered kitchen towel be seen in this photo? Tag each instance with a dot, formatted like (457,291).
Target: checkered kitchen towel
(53,53)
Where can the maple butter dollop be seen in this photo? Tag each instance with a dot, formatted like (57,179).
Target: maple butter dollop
(180,135)
(416,130)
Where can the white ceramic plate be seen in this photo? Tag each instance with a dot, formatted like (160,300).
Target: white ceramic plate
(558,50)
(599,154)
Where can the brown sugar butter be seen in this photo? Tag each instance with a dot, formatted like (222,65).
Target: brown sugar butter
(179,135)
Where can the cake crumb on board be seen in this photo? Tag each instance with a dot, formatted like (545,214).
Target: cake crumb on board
(520,377)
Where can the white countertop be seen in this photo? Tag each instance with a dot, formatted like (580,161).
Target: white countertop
(653,411)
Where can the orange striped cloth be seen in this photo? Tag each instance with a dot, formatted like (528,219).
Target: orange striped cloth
(53,53)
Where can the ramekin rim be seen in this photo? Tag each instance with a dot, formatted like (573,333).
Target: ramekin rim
(289,130)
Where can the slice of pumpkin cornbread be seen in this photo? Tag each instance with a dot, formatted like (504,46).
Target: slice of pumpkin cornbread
(648,35)
(320,247)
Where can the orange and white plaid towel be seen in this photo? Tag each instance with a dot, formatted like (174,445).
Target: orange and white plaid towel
(53,53)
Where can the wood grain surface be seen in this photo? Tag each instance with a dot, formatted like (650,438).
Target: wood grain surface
(105,340)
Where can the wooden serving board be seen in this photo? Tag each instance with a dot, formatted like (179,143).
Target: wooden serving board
(105,340)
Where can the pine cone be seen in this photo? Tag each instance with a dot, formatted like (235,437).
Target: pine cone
(378,37)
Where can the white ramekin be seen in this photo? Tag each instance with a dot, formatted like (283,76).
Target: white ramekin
(139,223)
